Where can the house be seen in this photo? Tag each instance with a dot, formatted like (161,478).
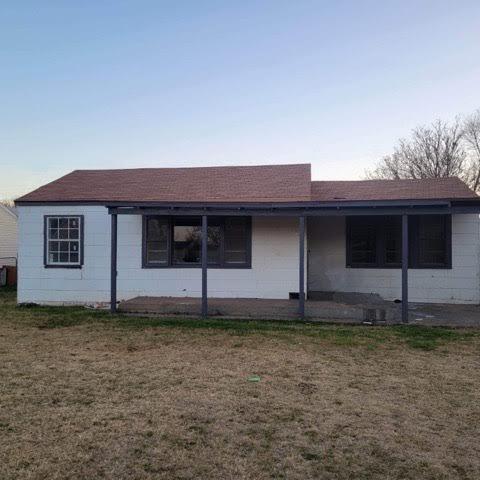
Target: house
(272,232)
(8,235)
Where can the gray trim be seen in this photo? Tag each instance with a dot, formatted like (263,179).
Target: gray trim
(302,208)
(113,265)
(405,268)
(204,265)
(296,212)
(45,242)
(301,288)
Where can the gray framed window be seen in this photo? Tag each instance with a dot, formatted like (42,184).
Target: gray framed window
(63,241)
(431,236)
(175,242)
(376,241)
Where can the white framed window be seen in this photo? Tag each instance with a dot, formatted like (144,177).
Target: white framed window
(63,241)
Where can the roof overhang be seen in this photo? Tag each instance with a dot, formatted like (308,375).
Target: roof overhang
(336,208)
(296,209)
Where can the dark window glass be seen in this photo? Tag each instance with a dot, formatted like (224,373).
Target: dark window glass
(214,244)
(432,245)
(377,241)
(177,241)
(236,240)
(393,241)
(186,242)
(363,242)
(157,240)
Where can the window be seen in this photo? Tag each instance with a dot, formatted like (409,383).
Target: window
(236,241)
(363,244)
(157,241)
(376,241)
(177,242)
(63,241)
(432,236)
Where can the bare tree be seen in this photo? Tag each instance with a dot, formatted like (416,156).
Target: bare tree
(433,151)
(472,146)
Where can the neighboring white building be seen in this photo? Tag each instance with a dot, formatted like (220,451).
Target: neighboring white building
(353,240)
(8,235)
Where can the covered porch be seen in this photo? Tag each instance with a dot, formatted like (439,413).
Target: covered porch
(297,307)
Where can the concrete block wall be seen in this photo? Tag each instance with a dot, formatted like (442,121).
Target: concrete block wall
(327,269)
(274,271)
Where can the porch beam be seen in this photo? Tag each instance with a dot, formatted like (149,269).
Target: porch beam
(113,264)
(288,212)
(301,270)
(204,265)
(405,268)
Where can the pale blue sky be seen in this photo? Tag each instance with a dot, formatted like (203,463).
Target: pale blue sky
(116,84)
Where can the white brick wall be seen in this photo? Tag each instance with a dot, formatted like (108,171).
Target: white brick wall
(461,284)
(274,271)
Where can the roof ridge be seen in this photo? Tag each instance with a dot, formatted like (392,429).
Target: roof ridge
(453,177)
(273,165)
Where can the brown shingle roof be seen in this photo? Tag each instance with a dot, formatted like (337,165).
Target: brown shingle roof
(266,183)
(424,189)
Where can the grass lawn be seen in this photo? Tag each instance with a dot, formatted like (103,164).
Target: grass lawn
(87,395)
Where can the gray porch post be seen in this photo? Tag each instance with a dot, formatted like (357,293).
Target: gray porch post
(113,265)
(301,256)
(204,265)
(405,268)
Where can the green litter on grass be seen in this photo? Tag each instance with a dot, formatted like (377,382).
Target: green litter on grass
(254,378)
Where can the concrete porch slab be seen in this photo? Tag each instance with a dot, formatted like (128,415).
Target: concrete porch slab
(257,308)
(444,315)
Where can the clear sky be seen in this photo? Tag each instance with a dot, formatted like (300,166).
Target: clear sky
(117,84)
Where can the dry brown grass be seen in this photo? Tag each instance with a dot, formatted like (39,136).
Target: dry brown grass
(97,400)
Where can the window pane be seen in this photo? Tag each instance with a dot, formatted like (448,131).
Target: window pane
(53,247)
(432,238)
(213,245)
(157,252)
(63,233)
(236,240)
(73,233)
(393,241)
(73,222)
(73,257)
(53,222)
(186,244)
(157,229)
(157,240)
(63,222)
(363,241)
(73,246)
(53,233)
(63,257)
(53,258)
